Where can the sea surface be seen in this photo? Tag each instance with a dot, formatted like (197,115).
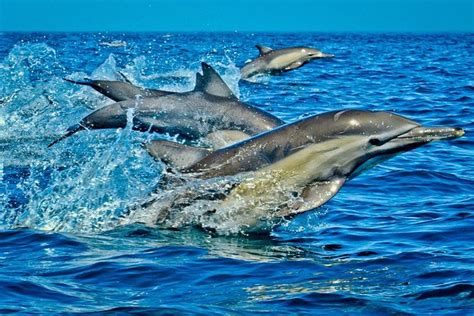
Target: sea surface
(396,240)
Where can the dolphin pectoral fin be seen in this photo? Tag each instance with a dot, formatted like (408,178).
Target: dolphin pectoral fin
(314,196)
(224,138)
(294,65)
(71,130)
(211,83)
(320,192)
(178,155)
(263,49)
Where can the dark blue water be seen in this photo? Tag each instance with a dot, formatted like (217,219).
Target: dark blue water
(396,240)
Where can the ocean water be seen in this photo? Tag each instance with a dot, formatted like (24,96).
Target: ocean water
(397,239)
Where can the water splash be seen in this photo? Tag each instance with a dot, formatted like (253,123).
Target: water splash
(214,205)
(94,177)
(89,183)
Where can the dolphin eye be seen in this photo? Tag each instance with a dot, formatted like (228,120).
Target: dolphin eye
(376,142)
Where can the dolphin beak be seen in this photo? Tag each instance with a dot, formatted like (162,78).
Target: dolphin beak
(416,137)
(428,134)
(321,55)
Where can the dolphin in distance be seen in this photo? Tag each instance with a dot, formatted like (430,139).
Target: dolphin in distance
(276,61)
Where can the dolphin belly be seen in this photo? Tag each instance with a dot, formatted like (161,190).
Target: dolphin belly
(277,190)
(281,62)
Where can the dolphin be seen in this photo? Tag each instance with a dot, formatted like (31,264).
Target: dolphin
(119,90)
(293,168)
(209,108)
(280,60)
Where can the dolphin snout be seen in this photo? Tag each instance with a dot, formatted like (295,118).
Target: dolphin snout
(322,55)
(433,133)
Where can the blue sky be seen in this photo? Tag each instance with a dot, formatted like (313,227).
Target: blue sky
(238,15)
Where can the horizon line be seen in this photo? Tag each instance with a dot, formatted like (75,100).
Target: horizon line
(246,31)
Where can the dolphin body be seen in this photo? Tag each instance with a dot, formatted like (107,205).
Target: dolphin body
(290,169)
(119,90)
(210,108)
(280,60)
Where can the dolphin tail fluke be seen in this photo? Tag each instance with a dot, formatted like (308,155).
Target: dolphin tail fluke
(84,82)
(70,131)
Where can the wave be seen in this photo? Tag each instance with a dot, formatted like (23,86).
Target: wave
(463,290)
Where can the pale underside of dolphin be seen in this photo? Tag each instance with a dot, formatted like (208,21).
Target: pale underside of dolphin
(211,107)
(280,60)
(286,171)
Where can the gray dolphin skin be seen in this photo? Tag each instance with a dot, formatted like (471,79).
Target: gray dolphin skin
(280,60)
(210,107)
(300,166)
(118,90)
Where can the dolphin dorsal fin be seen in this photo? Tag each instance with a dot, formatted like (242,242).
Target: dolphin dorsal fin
(199,86)
(211,83)
(178,155)
(263,49)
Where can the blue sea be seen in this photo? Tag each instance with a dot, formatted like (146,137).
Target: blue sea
(396,240)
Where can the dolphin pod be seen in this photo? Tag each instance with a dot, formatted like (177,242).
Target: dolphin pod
(280,60)
(269,61)
(311,159)
(275,171)
(210,107)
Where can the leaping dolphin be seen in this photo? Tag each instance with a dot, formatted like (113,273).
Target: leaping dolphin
(293,168)
(280,60)
(210,107)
